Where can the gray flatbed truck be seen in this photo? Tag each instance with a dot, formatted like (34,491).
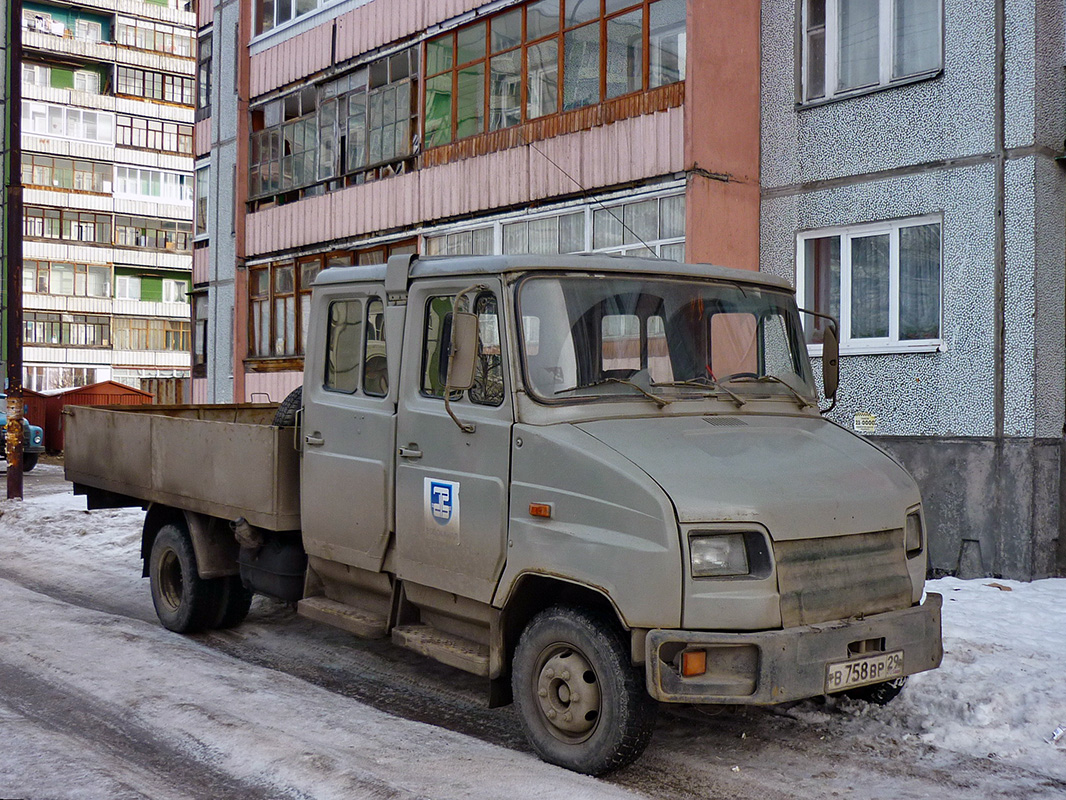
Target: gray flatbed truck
(601,483)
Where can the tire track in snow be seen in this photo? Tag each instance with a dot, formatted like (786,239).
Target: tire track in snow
(149,766)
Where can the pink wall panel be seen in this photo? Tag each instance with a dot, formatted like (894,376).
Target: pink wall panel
(205,13)
(291,60)
(377,23)
(200,269)
(201,138)
(275,385)
(199,390)
(609,155)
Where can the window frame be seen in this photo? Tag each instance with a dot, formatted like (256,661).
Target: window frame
(492,230)
(67,330)
(871,345)
(305,269)
(831,43)
(203,77)
(600,19)
(154,133)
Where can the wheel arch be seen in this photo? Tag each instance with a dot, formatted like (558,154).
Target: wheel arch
(213,542)
(531,594)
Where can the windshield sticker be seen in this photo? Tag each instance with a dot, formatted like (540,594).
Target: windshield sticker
(441,503)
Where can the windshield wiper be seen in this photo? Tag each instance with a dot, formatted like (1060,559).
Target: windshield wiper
(706,383)
(659,401)
(803,401)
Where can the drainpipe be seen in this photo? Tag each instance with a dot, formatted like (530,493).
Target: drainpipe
(1000,344)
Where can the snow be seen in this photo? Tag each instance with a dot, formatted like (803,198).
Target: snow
(999,692)
(78,627)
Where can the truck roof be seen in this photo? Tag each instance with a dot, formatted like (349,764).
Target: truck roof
(443,266)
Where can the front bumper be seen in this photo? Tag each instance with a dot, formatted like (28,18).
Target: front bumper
(777,666)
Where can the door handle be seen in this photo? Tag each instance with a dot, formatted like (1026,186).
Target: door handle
(410,451)
(314,439)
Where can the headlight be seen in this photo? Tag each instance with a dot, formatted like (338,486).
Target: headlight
(914,533)
(37,437)
(718,556)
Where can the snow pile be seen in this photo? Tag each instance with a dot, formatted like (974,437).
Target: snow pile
(1000,690)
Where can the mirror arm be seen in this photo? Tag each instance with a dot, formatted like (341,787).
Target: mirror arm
(465,427)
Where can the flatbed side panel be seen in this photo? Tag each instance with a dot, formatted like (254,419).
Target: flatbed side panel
(217,466)
(109,444)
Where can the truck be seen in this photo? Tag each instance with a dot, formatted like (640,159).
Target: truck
(601,483)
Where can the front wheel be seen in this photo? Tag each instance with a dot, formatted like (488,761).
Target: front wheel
(582,704)
(184,602)
(29,461)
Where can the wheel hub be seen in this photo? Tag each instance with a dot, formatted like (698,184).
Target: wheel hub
(171,582)
(568,693)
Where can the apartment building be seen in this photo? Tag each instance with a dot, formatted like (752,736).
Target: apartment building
(339,133)
(107,137)
(912,185)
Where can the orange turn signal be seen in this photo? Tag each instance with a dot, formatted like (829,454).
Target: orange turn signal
(693,663)
(540,510)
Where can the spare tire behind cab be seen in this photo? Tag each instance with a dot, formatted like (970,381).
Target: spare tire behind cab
(285,416)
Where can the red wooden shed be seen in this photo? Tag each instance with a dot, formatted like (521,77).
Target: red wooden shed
(107,393)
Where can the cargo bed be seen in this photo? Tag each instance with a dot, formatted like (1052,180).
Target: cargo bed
(226,461)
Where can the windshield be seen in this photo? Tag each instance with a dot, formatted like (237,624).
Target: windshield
(593,337)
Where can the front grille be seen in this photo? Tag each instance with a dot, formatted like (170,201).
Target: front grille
(842,576)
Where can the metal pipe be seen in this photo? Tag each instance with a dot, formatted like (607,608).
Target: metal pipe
(13,434)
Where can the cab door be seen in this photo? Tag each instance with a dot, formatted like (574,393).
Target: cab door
(451,486)
(349,429)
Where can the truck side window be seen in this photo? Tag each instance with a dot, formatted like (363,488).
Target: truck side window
(435,347)
(343,346)
(488,372)
(375,362)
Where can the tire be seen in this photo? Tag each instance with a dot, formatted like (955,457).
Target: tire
(285,416)
(233,604)
(29,461)
(184,602)
(880,694)
(582,704)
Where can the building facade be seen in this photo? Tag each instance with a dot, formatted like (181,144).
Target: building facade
(910,187)
(341,133)
(107,135)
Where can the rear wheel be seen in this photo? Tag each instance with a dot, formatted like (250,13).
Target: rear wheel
(582,703)
(184,602)
(234,602)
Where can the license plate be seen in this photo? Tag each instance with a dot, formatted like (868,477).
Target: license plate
(861,671)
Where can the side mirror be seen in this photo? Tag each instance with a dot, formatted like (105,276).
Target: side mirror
(463,356)
(830,362)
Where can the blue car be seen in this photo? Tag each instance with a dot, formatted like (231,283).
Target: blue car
(32,438)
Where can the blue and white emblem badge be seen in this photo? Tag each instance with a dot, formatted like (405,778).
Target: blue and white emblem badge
(442,507)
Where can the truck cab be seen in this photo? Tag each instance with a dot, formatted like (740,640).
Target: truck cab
(601,482)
